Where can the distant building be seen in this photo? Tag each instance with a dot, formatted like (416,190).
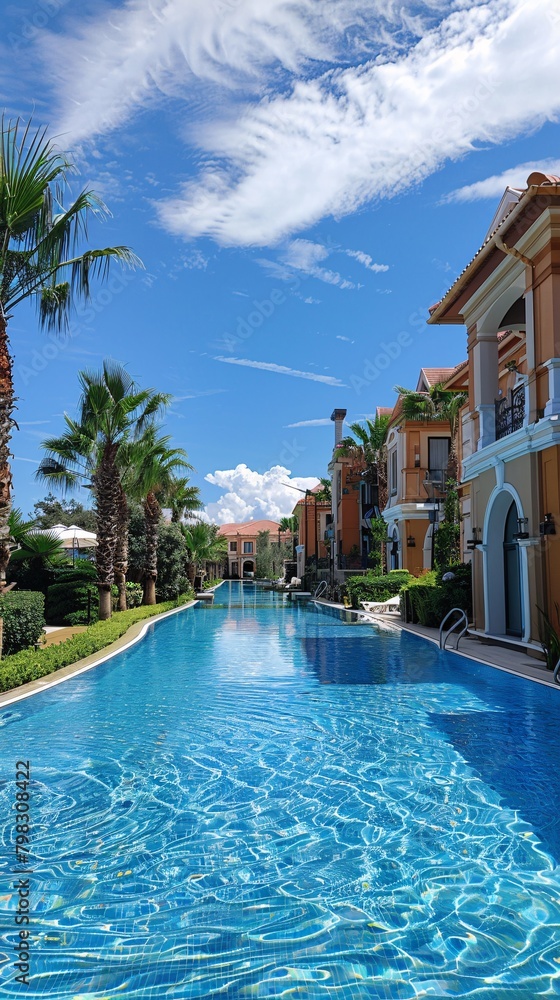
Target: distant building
(242,545)
(314,517)
(417,461)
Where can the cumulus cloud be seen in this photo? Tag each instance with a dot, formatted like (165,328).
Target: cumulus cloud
(355,134)
(252,495)
(494,187)
(281,370)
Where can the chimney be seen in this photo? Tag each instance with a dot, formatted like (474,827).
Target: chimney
(338,417)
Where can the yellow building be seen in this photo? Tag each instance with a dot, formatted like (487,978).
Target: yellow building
(508,297)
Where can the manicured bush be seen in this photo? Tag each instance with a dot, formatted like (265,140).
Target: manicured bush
(134,595)
(372,587)
(30,664)
(72,593)
(428,599)
(23,613)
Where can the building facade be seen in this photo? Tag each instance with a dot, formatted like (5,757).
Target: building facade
(508,298)
(417,465)
(242,545)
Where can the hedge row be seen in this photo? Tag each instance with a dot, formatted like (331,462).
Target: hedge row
(23,613)
(29,664)
(428,599)
(372,587)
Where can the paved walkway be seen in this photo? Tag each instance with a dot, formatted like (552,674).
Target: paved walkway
(513,660)
(58,633)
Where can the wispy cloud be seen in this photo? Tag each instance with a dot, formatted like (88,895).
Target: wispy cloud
(494,186)
(197,394)
(355,134)
(339,336)
(32,461)
(281,370)
(319,422)
(367,261)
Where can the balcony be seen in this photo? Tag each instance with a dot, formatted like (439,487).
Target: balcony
(510,412)
(351,562)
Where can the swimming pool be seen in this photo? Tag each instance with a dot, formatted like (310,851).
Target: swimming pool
(258,800)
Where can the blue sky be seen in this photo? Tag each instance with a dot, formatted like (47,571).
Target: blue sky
(302,179)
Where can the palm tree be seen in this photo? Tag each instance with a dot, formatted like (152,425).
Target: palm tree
(157,464)
(204,544)
(182,498)
(40,260)
(437,403)
(112,410)
(366,449)
(325,493)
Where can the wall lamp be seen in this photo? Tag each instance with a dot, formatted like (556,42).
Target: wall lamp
(411,542)
(548,527)
(474,541)
(521,532)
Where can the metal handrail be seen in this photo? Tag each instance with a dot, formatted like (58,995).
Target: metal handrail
(321,589)
(462,620)
(556,672)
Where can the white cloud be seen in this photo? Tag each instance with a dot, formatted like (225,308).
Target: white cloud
(340,337)
(135,53)
(281,370)
(319,422)
(367,261)
(494,187)
(355,134)
(304,256)
(252,495)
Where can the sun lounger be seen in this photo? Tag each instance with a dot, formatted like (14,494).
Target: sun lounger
(382,607)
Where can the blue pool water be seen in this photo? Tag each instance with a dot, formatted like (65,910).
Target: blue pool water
(259,800)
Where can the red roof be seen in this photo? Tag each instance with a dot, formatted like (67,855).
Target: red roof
(248,527)
(434,376)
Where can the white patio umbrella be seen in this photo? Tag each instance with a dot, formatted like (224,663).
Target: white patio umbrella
(72,537)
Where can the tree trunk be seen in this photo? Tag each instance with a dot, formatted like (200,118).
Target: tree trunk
(152,514)
(106,485)
(7,402)
(121,551)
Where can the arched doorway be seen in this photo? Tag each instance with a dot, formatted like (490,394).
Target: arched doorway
(512,576)
(248,568)
(505,570)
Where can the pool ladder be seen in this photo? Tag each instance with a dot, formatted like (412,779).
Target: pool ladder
(321,589)
(462,620)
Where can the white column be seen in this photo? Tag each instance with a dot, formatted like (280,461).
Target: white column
(485,358)
(553,405)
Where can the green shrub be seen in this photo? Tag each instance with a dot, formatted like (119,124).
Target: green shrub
(372,587)
(72,602)
(208,584)
(134,595)
(30,664)
(428,599)
(23,613)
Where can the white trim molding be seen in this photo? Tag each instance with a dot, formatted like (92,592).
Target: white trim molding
(526,441)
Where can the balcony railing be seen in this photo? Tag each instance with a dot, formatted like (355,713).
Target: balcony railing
(510,412)
(351,562)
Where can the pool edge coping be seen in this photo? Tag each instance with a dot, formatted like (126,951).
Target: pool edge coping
(478,659)
(133,634)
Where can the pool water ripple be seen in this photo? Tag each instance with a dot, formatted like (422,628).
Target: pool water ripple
(259,801)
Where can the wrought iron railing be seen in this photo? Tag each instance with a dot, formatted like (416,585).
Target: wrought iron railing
(510,412)
(351,561)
